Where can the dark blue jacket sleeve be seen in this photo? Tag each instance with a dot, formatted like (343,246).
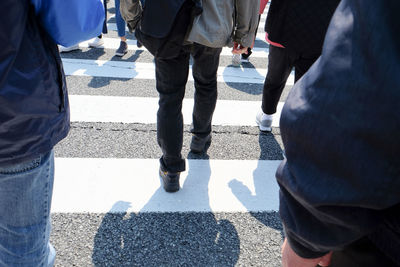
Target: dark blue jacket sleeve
(341,127)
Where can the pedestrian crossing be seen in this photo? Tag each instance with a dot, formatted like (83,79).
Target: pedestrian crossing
(121,109)
(138,70)
(107,179)
(113,43)
(207,186)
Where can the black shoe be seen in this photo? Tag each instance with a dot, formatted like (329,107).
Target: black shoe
(139,44)
(122,49)
(170,180)
(245,57)
(198,144)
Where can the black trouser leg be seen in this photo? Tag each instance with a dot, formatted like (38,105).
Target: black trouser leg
(205,66)
(280,65)
(303,64)
(171,78)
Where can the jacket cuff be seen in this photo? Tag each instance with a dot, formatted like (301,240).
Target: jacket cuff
(301,250)
(245,40)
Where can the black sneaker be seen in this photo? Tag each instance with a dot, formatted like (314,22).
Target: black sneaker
(139,44)
(198,144)
(245,57)
(122,49)
(170,180)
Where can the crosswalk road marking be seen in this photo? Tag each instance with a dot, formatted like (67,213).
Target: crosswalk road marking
(113,43)
(207,186)
(144,110)
(123,109)
(109,208)
(138,70)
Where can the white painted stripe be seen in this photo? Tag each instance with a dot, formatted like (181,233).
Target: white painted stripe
(112,26)
(138,70)
(113,43)
(119,109)
(133,185)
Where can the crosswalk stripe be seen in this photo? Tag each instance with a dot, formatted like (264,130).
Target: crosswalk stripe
(113,43)
(99,185)
(139,70)
(119,109)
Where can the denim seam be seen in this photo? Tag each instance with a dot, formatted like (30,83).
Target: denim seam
(34,164)
(46,211)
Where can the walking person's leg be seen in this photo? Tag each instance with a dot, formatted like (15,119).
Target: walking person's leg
(171,78)
(121,25)
(280,63)
(303,64)
(205,67)
(25,199)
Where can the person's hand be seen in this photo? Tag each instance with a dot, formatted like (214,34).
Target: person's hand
(291,259)
(239,49)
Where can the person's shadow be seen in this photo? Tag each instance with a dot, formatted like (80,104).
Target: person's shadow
(270,150)
(98,82)
(93,54)
(169,238)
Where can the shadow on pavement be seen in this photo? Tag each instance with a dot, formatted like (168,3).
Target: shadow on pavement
(259,180)
(167,239)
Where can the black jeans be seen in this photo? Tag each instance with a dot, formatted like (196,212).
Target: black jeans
(171,78)
(280,63)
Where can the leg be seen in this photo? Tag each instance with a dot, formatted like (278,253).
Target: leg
(123,46)
(105,18)
(171,78)
(25,199)
(205,66)
(279,68)
(302,64)
(120,22)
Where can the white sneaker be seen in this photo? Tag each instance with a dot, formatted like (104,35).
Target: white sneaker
(264,121)
(96,42)
(68,48)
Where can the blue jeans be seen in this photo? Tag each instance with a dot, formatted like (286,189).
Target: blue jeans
(120,21)
(25,199)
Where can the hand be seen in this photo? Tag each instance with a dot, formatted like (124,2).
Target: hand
(239,49)
(291,259)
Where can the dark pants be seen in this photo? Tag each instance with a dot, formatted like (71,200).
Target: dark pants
(171,78)
(362,253)
(280,63)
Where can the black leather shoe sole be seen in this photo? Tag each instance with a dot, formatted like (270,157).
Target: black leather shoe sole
(170,181)
(198,144)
